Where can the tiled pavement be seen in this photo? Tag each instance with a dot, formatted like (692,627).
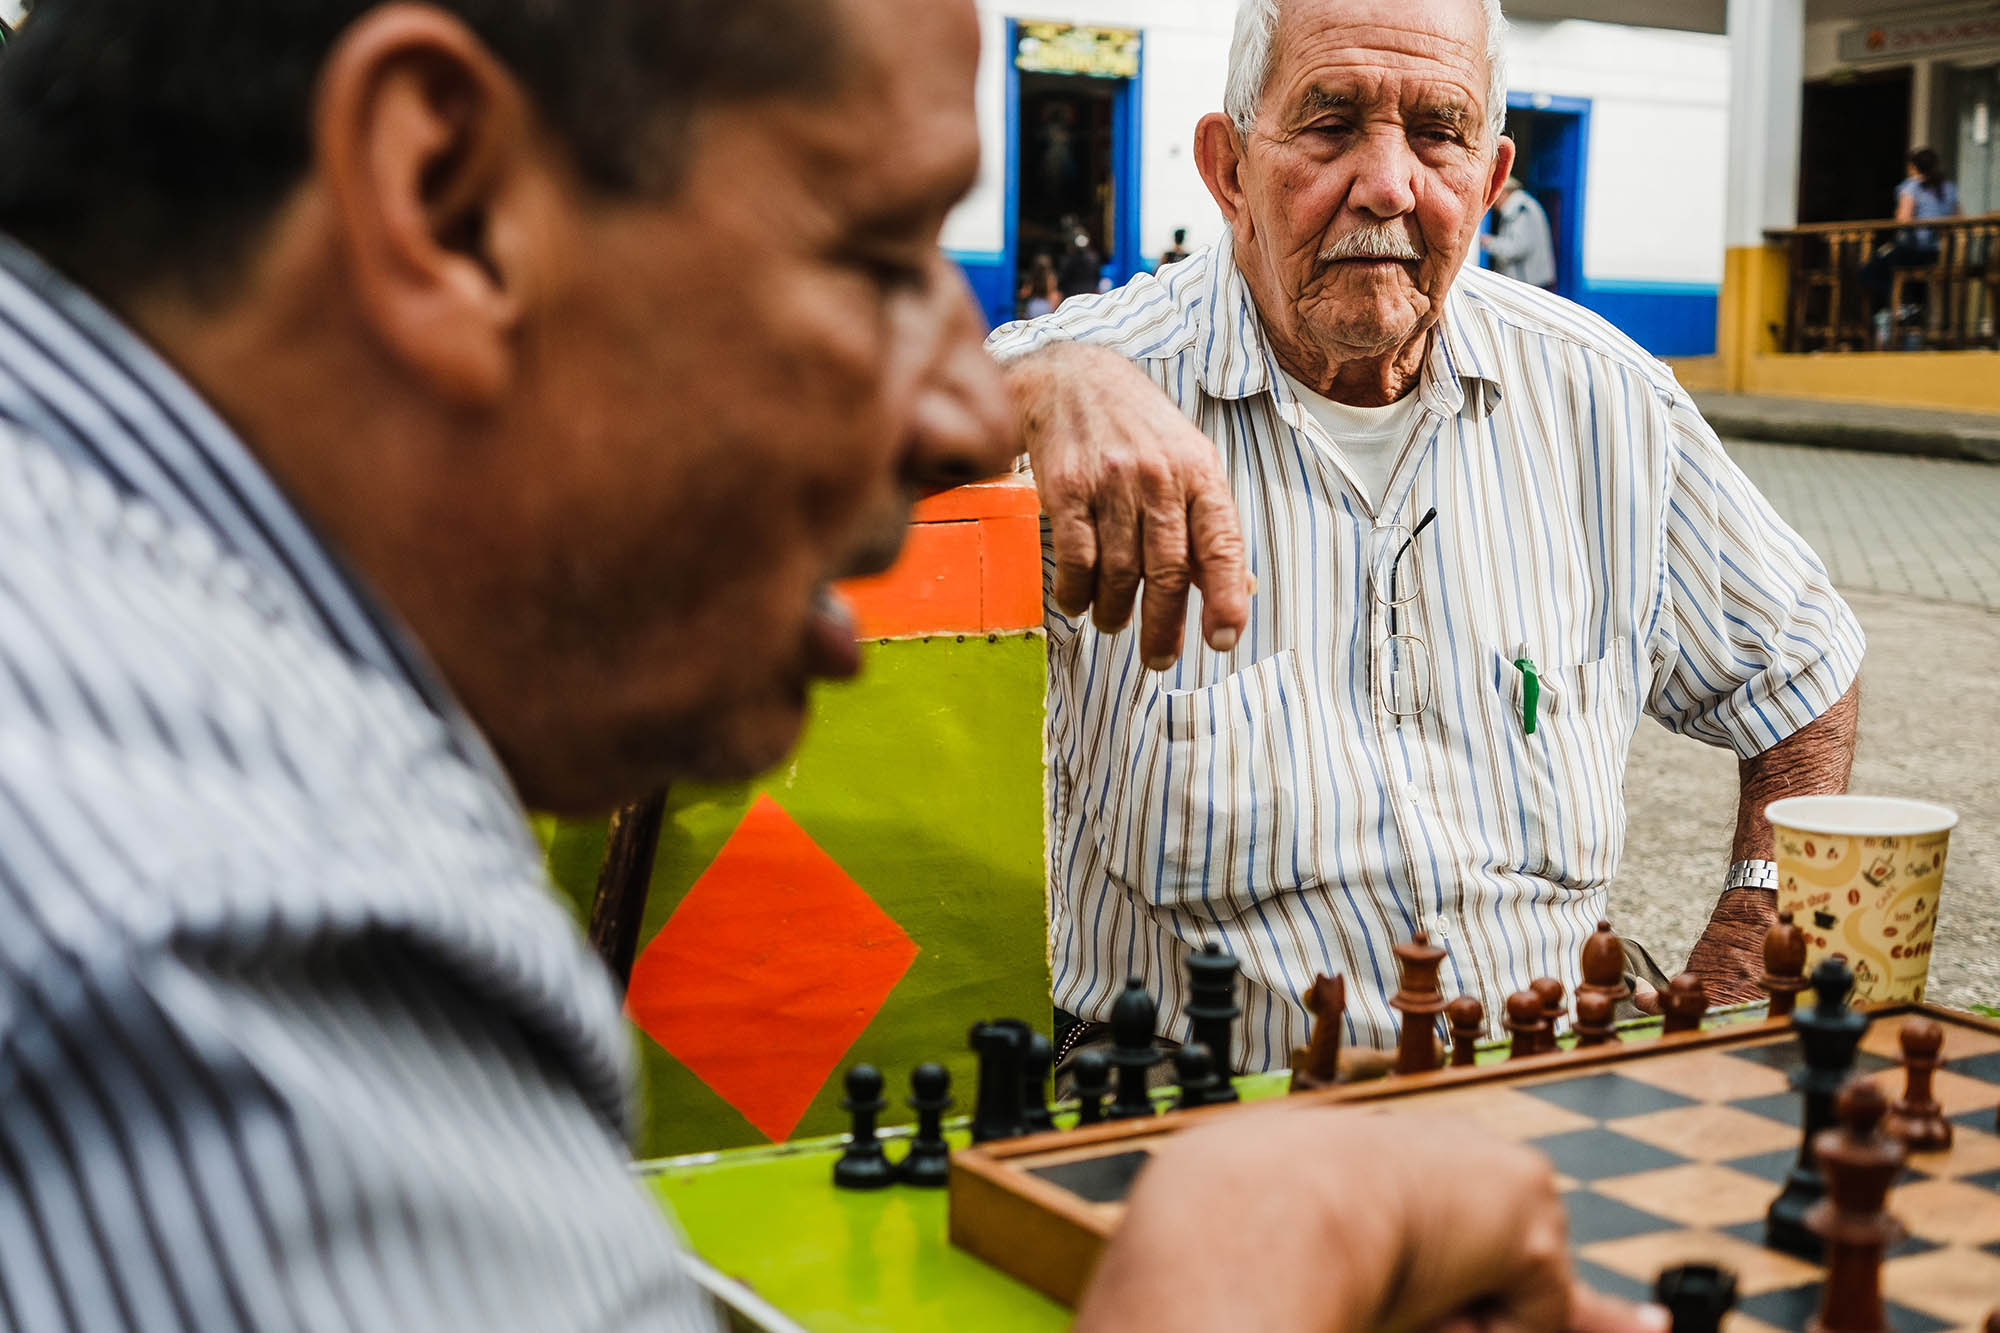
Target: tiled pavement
(1920,527)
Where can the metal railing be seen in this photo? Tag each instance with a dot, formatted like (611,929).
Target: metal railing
(1869,286)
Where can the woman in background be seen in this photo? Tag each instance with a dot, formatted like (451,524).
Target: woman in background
(1925,192)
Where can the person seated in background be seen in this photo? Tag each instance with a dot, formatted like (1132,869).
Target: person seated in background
(411,409)
(1925,193)
(1175,253)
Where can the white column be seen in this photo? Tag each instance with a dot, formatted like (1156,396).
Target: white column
(1766,68)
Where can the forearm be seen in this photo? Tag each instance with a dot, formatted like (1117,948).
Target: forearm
(1729,956)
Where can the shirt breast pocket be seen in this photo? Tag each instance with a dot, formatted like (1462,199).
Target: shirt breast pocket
(1569,773)
(1219,793)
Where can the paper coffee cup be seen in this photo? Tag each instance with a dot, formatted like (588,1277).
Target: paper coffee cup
(1860,876)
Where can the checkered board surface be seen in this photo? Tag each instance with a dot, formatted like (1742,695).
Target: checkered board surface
(1672,1157)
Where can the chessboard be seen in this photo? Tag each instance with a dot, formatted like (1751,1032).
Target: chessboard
(1668,1151)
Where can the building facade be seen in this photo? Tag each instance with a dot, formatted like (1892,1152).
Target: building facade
(1088,110)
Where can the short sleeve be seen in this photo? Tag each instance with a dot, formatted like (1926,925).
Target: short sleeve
(1749,642)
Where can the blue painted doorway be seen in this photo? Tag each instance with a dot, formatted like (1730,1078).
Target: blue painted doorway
(1073,158)
(1552,145)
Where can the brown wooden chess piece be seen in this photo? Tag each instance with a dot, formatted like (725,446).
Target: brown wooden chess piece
(1467,1017)
(1526,1021)
(1419,1001)
(1603,961)
(1596,1019)
(1684,1004)
(1550,992)
(1317,1064)
(1916,1119)
(1860,1163)
(1784,965)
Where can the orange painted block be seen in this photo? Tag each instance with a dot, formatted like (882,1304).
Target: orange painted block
(1002,497)
(933,589)
(1011,567)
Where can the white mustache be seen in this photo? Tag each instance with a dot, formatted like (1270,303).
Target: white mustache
(1382,240)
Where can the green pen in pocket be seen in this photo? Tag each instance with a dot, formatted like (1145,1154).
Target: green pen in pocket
(1531,689)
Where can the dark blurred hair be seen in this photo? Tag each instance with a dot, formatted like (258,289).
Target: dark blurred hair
(1925,160)
(146,139)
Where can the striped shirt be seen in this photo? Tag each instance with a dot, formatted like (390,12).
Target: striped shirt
(1270,799)
(292,1034)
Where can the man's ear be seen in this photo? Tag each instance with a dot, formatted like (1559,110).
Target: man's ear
(1218,155)
(1503,167)
(427,149)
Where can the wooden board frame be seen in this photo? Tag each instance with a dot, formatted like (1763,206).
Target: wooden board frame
(1046,1237)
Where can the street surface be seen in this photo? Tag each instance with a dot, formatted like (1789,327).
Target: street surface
(1914,544)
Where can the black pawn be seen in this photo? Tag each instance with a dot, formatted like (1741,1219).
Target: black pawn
(997,1114)
(1036,1057)
(1133,1053)
(1092,1075)
(1829,1033)
(1697,1296)
(928,1163)
(1196,1072)
(1213,1010)
(863,1166)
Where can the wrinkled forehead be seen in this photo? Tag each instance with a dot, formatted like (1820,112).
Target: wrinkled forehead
(1412,54)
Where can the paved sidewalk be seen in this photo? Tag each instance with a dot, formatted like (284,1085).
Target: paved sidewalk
(1923,527)
(1896,430)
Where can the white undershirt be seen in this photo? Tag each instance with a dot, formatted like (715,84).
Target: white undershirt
(1367,440)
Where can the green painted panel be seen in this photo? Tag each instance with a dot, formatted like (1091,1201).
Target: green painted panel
(923,780)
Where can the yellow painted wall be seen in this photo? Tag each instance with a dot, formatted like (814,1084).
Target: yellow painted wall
(1747,360)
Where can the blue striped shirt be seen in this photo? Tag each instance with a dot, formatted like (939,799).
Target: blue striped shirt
(1272,798)
(292,1034)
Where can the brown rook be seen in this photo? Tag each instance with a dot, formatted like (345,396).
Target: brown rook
(1420,1002)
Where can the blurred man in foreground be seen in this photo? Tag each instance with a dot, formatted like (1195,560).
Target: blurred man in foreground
(405,406)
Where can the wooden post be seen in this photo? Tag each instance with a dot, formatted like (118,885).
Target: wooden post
(623,879)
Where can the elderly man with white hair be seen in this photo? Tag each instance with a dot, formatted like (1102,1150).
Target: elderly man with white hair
(1442,537)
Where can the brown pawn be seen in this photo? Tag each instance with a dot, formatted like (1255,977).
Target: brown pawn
(1419,1001)
(1684,1004)
(1603,966)
(1596,1019)
(1527,1021)
(1317,1064)
(1859,1163)
(1784,964)
(1550,992)
(1467,1017)
(1917,1120)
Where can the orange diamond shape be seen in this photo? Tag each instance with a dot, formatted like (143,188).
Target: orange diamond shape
(768,970)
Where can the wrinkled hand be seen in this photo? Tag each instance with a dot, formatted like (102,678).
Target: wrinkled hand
(1308,1220)
(1134,494)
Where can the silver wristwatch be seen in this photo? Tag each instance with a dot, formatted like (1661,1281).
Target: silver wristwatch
(1752,875)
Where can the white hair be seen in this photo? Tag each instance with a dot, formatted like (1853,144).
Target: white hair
(1250,63)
